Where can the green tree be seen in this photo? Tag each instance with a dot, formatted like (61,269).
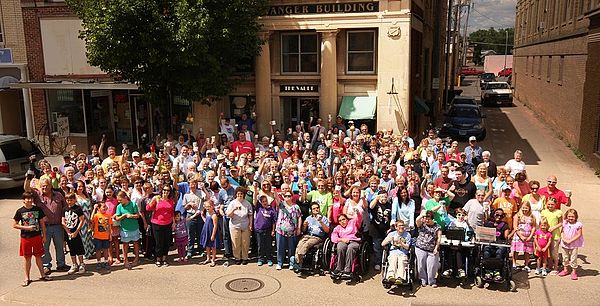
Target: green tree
(491,39)
(190,48)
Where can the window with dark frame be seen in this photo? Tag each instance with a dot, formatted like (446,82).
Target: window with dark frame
(360,51)
(561,68)
(299,52)
(549,70)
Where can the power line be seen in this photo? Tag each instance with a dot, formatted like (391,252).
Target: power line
(485,16)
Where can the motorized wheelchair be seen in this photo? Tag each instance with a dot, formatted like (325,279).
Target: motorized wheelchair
(485,267)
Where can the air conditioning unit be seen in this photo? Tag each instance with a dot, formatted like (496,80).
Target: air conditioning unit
(6,56)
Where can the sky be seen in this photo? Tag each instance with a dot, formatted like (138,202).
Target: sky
(491,13)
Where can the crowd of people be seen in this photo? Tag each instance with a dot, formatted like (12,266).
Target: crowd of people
(242,194)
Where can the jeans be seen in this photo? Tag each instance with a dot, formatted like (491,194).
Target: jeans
(265,244)
(283,244)
(346,252)
(377,250)
(428,264)
(194,228)
(56,234)
(226,237)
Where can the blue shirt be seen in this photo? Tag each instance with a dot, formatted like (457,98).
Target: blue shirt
(225,196)
(404,212)
(184,188)
(314,227)
(395,247)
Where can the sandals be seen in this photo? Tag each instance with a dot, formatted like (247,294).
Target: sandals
(213,263)
(46,278)
(206,262)
(26,283)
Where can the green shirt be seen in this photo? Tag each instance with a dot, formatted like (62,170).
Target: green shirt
(128,224)
(553,218)
(325,200)
(439,216)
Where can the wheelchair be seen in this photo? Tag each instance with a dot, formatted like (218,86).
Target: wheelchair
(410,272)
(360,263)
(484,266)
(314,261)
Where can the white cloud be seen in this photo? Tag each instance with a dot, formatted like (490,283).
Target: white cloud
(492,13)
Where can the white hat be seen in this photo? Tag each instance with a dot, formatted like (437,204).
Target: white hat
(135,154)
(472,138)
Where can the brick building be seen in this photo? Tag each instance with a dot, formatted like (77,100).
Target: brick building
(556,68)
(321,57)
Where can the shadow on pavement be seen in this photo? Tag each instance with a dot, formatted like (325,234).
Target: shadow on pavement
(11,194)
(505,138)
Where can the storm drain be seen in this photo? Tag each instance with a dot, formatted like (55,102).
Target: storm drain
(245,286)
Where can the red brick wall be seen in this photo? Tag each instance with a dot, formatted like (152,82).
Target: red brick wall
(35,55)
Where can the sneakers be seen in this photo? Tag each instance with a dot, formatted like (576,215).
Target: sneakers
(63,268)
(461,273)
(47,271)
(544,272)
(574,275)
(278,267)
(82,268)
(260,263)
(497,277)
(487,276)
(553,272)
(527,269)
(447,273)
(537,271)
(434,286)
(564,272)
(99,266)
(292,262)
(73,269)
(377,268)
(269,263)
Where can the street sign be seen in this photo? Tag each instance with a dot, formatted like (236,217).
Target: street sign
(62,126)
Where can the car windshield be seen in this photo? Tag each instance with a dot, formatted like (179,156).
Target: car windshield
(464,112)
(469,101)
(487,76)
(498,86)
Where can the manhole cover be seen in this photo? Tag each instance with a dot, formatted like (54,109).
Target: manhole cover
(244,285)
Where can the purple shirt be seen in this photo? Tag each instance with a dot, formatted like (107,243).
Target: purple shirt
(264,218)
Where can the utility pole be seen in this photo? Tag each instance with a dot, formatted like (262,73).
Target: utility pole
(454,41)
(505,47)
(466,34)
(447,55)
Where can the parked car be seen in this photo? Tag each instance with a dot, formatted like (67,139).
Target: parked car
(486,77)
(496,93)
(470,71)
(505,72)
(464,100)
(14,159)
(463,121)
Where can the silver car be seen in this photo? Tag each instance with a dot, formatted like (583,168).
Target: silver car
(14,159)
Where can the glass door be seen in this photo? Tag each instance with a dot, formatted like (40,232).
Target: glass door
(299,109)
(143,124)
(99,122)
(123,120)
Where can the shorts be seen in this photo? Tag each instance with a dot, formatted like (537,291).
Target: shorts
(114,231)
(101,244)
(31,246)
(75,246)
(130,236)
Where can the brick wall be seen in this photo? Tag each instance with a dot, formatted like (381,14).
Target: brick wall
(35,55)
(558,102)
(12,22)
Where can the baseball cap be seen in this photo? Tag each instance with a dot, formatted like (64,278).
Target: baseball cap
(350,122)
(135,154)
(220,157)
(250,170)
(472,138)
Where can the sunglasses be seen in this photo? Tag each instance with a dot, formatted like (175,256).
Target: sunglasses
(499,215)
(551,182)
(534,188)
(287,196)
(167,190)
(460,215)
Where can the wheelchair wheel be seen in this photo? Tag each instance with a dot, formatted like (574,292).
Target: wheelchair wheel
(364,258)
(512,286)
(327,252)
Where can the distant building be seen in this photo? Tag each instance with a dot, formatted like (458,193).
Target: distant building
(557,68)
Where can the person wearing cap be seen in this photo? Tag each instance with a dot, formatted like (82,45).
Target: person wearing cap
(439,204)
(507,204)
(472,155)
(339,123)
(136,158)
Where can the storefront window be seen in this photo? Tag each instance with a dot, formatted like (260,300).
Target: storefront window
(299,53)
(67,103)
(361,51)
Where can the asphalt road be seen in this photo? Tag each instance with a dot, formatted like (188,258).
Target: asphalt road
(509,129)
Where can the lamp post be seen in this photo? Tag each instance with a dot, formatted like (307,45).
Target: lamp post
(505,47)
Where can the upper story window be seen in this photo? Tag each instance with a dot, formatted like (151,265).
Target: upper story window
(361,51)
(299,53)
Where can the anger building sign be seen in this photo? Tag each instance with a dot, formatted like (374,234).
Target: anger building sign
(324,8)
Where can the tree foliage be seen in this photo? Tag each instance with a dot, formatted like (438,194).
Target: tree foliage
(491,39)
(190,48)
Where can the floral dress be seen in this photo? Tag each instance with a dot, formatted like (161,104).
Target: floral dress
(524,228)
(86,230)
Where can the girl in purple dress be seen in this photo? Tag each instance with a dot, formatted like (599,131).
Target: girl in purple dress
(210,238)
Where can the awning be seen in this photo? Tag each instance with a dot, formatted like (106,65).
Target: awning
(420,105)
(6,81)
(76,85)
(358,108)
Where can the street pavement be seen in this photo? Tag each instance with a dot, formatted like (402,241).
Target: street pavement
(509,128)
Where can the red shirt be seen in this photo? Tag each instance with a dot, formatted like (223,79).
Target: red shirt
(558,194)
(243,147)
(444,184)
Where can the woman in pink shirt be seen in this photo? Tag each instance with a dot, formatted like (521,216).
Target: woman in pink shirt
(162,223)
(344,235)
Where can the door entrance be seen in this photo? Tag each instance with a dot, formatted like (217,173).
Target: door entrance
(299,109)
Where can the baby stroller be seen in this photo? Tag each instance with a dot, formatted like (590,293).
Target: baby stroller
(492,269)
(360,263)
(410,271)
